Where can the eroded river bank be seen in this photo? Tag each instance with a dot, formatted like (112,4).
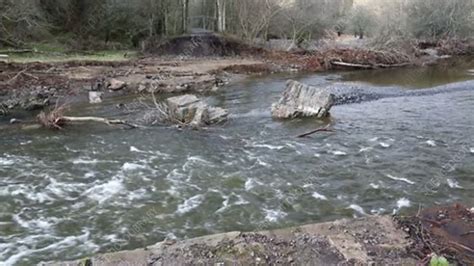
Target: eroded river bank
(74,193)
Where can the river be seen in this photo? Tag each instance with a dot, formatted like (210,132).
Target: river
(89,189)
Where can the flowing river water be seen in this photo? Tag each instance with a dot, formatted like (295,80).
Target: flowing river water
(89,189)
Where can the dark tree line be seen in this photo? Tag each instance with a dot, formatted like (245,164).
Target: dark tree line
(130,21)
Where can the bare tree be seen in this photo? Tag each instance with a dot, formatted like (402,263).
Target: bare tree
(441,18)
(221,15)
(362,21)
(252,18)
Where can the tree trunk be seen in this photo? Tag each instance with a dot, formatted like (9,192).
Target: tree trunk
(185,16)
(221,15)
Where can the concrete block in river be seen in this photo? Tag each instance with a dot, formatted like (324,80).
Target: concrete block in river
(95,97)
(301,100)
(189,109)
(183,108)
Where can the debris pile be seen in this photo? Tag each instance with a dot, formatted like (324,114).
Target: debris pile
(190,110)
(445,231)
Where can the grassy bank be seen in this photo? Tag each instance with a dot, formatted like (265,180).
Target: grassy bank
(56,53)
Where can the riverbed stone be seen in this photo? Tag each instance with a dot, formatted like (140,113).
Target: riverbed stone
(115,84)
(183,108)
(95,97)
(217,115)
(301,100)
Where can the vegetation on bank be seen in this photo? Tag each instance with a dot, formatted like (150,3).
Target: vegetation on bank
(121,25)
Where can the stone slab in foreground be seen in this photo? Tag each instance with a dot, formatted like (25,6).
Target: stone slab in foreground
(364,241)
(301,100)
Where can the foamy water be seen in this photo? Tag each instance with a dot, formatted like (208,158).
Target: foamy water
(71,194)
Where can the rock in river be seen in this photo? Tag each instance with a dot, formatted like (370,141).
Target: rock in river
(95,97)
(115,84)
(189,109)
(301,100)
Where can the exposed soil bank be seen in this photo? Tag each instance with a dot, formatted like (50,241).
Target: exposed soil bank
(195,64)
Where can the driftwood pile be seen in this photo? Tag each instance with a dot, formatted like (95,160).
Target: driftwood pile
(185,110)
(55,119)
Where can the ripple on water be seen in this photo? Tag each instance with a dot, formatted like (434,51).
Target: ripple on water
(274,215)
(29,246)
(6,162)
(402,203)
(29,192)
(251,183)
(431,143)
(105,191)
(357,208)
(85,161)
(453,183)
(132,167)
(385,144)
(339,153)
(256,164)
(406,180)
(316,195)
(190,204)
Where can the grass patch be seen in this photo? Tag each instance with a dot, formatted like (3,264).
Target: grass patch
(56,52)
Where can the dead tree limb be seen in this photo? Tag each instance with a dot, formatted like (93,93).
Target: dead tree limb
(65,119)
(374,66)
(22,51)
(392,65)
(344,64)
(321,129)
(30,75)
(56,120)
(17,75)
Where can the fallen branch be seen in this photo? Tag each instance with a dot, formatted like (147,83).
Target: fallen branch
(22,51)
(374,66)
(393,65)
(322,129)
(56,120)
(17,75)
(463,247)
(11,43)
(467,233)
(344,64)
(30,75)
(64,119)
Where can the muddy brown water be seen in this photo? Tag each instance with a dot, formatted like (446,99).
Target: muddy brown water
(89,189)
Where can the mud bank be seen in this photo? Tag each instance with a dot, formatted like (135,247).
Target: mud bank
(187,64)
(34,86)
(363,241)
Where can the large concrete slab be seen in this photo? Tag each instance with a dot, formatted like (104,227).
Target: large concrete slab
(373,240)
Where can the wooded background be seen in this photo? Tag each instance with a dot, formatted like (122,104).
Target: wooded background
(87,24)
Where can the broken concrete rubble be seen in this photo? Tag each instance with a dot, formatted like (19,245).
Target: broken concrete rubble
(301,100)
(179,84)
(189,109)
(115,84)
(374,240)
(95,97)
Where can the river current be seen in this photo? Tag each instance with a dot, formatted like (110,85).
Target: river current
(89,189)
